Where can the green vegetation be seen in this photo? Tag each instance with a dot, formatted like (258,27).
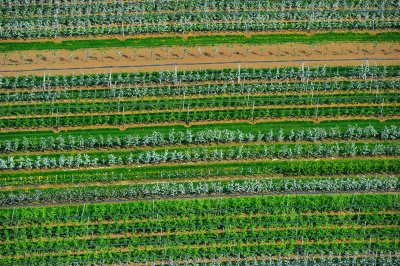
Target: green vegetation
(255,39)
(293,165)
(202,227)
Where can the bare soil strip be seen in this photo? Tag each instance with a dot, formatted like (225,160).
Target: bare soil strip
(188,58)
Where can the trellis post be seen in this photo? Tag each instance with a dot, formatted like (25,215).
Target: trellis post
(238,76)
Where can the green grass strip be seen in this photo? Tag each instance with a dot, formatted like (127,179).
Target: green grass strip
(202,40)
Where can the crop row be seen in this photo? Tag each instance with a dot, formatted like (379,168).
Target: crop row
(188,137)
(157,209)
(35,9)
(352,242)
(234,169)
(217,15)
(192,239)
(204,154)
(197,223)
(47,4)
(364,258)
(158,223)
(227,238)
(229,75)
(46,109)
(182,224)
(224,22)
(179,189)
(186,116)
(120,92)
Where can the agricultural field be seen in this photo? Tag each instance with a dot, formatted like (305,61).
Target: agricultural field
(182,132)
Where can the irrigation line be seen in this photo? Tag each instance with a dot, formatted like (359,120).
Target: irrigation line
(206,63)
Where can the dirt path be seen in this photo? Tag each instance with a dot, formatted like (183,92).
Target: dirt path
(189,58)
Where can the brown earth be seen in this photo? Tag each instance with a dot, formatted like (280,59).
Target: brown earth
(205,57)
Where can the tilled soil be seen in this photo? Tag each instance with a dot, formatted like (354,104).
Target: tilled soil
(203,57)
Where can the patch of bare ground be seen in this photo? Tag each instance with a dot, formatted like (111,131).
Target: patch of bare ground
(190,58)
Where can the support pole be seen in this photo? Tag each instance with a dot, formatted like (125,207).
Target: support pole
(176,74)
(44,81)
(109,78)
(238,76)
